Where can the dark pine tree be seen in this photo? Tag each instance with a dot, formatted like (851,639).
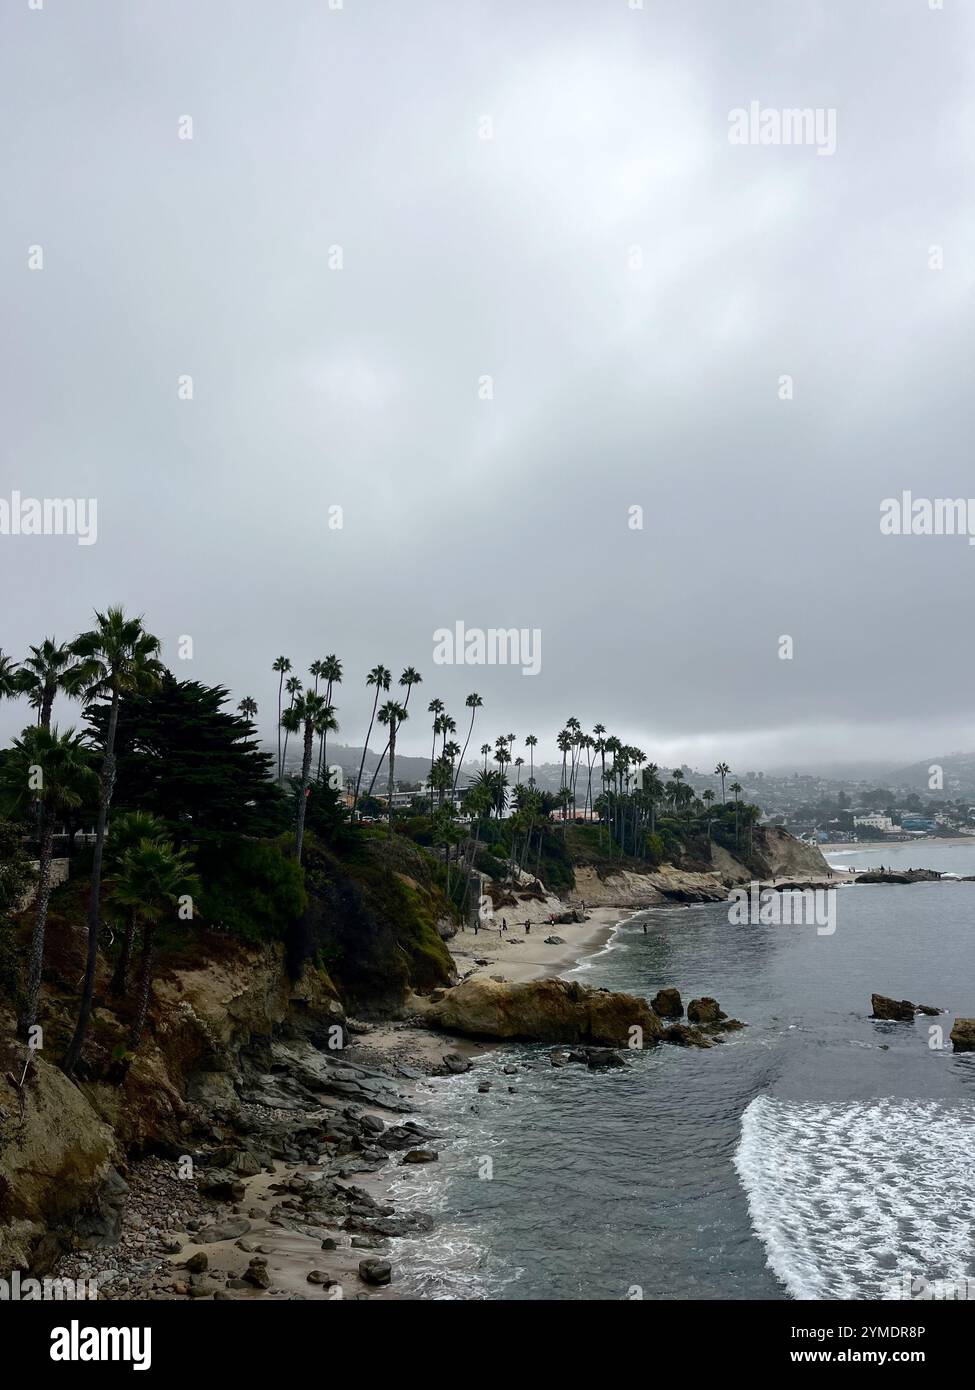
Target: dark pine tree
(184,757)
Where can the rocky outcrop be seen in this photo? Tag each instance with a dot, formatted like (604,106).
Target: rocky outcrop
(900,876)
(899,1010)
(963,1035)
(894,1010)
(544,1011)
(780,855)
(622,889)
(60,1142)
(706,1010)
(56,1157)
(775,854)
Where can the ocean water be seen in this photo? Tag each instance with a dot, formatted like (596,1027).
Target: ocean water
(817,1154)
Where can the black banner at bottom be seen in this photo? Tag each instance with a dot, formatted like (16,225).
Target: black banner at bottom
(228,1336)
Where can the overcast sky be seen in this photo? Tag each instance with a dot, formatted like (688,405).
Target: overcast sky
(509,257)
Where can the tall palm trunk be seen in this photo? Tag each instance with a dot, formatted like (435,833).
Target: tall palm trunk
(324,735)
(120,977)
(464,752)
(287,735)
(145,984)
(280,763)
(91,965)
(433,759)
(35,962)
(392,765)
(305,782)
(365,750)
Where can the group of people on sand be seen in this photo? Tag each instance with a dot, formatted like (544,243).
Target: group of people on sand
(528,926)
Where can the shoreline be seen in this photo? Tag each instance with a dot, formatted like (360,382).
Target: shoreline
(875,846)
(517,955)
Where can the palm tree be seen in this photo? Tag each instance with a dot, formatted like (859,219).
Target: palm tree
(380,677)
(248,708)
(9,679)
(129,830)
(316,669)
(736,787)
(519,764)
(409,678)
(154,881)
(282,664)
(450,752)
(293,687)
(117,658)
(436,708)
(332,673)
(531,743)
(653,787)
(473,703)
(485,752)
(441,777)
(722,771)
(48,670)
(392,715)
(707,797)
(310,714)
(56,770)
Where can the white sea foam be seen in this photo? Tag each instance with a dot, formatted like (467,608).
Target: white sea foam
(851,1198)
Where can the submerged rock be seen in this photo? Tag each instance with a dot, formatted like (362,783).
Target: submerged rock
(600,1057)
(682,1035)
(668,1003)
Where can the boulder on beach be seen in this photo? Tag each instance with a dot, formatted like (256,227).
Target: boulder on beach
(455,1063)
(705,1010)
(556,1011)
(375,1271)
(894,1010)
(668,1003)
(963,1035)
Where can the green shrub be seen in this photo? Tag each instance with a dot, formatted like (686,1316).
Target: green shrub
(252,888)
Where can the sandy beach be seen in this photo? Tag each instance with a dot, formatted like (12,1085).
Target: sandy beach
(872,846)
(517,954)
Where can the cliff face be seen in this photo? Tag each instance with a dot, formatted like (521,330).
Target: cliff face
(62,1145)
(786,857)
(775,854)
(372,934)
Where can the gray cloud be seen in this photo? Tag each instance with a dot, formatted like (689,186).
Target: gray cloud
(465,257)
